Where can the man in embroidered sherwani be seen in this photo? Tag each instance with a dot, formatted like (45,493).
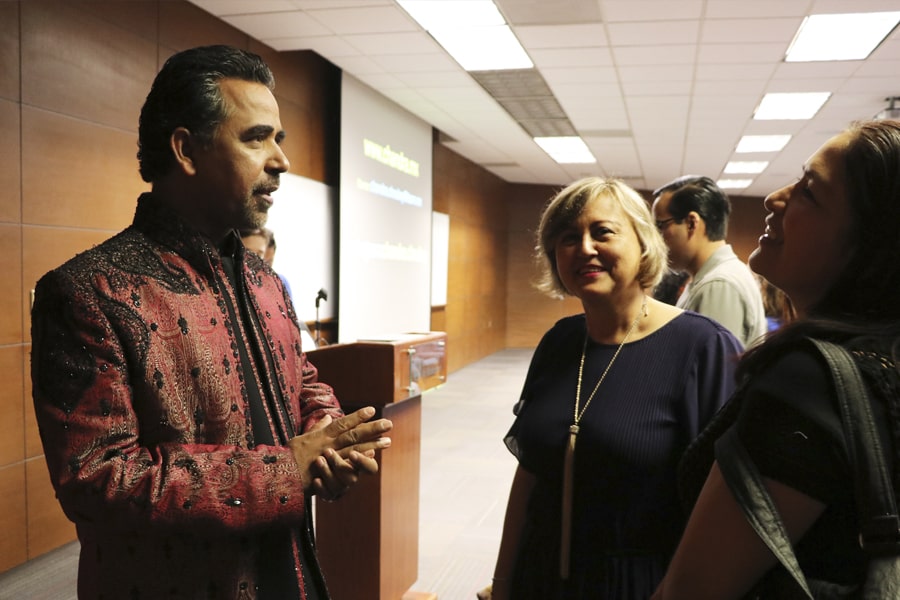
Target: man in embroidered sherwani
(183,427)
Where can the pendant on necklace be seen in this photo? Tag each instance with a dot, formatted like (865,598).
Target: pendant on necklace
(567,492)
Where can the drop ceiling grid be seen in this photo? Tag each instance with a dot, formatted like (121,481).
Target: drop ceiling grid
(675,72)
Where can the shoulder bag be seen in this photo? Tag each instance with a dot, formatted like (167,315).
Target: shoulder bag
(878,518)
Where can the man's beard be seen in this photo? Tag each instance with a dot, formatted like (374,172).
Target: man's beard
(256,213)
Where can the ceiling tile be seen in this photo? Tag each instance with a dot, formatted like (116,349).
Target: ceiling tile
(523,12)
(375,19)
(568,57)
(403,63)
(661,54)
(682,78)
(264,26)
(241,7)
(615,11)
(660,73)
(380,44)
(733,31)
(327,46)
(732,9)
(769,53)
(660,32)
(562,36)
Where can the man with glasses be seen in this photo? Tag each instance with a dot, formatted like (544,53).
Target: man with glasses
(692,212)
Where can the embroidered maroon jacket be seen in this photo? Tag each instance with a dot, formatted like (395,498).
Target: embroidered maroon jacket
(144,417)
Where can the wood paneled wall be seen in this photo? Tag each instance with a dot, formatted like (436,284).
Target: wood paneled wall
(73,77)
(476,200)
(530,313)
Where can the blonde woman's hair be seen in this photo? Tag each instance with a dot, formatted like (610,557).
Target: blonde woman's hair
(566,207)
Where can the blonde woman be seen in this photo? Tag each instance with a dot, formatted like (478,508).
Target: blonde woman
(612,398)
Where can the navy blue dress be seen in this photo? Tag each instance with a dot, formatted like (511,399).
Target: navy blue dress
(659,394)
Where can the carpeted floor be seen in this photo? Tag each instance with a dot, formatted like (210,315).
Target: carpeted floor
(465,476)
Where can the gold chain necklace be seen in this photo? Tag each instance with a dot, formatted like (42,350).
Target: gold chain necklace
(569,461)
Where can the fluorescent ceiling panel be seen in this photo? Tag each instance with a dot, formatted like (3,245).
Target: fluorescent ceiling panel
(452,14)
(734,184)
(483,48)
(790,106)
(840,37)
(762,143)
(473,32)
(754,166)
(566,150)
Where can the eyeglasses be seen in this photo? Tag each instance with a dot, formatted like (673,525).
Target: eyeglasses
(665,222)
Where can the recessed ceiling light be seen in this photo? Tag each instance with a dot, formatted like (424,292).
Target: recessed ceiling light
(850,36)
(566,149)
(734,184)
(473,32)
(755,166)
(792,106)
(762,143)
(484,48)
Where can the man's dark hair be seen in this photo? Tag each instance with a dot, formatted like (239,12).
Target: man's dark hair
(186,94)
(701,195)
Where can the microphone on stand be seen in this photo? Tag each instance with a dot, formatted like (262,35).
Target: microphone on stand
(321,295)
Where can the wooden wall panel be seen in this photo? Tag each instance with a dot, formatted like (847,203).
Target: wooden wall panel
(529,313)
(476,276)
(33,447)
(307,88)
(140,17)
(12,433)
(9,50)
(11,298)
(77,174)
(14,541)
(48,527)
(104,81)
(45,248)
(10,163)
(299,127)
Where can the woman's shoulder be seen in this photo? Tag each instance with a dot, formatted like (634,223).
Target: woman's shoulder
(796,361)
(565,326)
(694,326)
(796,377)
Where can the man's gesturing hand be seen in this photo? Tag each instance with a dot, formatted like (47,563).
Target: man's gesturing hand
(332,455)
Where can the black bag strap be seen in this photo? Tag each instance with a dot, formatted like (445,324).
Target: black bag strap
(879,522)
(746,484)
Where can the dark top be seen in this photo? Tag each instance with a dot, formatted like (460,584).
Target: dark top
(658,395)
(787,418)
(790,424)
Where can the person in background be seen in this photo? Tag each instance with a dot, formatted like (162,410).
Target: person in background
(692,214)
(777,305)
(256,240)
(269,258)
(261,242)
(632,380)
(184,429)
(671,286)
(831,242)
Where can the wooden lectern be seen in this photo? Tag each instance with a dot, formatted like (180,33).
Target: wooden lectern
(368,541)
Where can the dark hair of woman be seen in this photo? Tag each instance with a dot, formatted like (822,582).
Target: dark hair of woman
(862,308)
